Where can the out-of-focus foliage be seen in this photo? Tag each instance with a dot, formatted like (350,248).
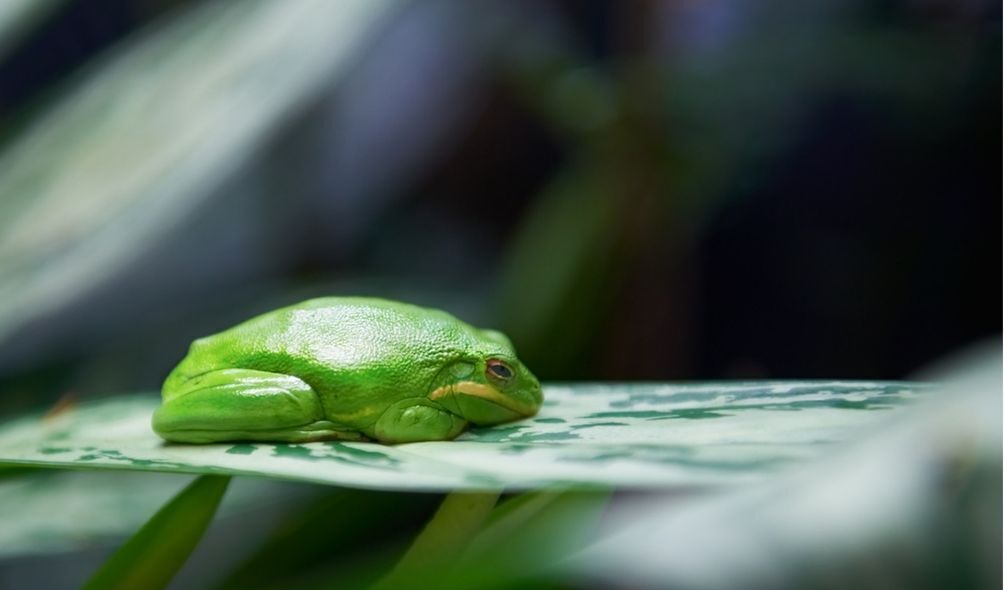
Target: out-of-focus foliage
(152,557)
(343,538)
(519,547)
(17,17)
(915,505)
(132,150)
(90,510)
(630,189)
(96,509)
(727,182)
(448,533)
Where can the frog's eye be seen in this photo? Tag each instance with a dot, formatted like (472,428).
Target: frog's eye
(499,370)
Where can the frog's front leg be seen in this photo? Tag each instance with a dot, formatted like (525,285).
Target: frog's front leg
(243,404)
(414,420)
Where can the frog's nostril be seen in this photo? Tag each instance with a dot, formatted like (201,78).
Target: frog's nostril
(536,392)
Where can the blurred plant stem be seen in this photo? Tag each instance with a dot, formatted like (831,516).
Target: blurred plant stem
(471,543)
(525,539)
(459,518)
(335,533)
(152,557)
(597,224)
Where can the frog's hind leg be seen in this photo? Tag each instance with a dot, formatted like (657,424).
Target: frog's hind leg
(243,404)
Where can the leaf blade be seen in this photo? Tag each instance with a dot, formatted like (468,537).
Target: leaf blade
(152,557)
(458,520)
(647,435)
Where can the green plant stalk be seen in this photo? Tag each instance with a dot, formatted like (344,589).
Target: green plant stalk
(332,537)
(520,548)
(510,515)
(152,557)
(517,546)
(458,520)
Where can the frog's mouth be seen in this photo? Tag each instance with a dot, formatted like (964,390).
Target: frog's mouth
(489,394)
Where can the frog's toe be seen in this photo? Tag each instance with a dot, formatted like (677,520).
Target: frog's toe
(415,420)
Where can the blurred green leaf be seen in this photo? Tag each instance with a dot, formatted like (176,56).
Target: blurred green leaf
(17,17)
(617,435)
(515,512)
(470,545)
(915,503)
(519,547)
(102,508)
(92,507)
(549,303)
(528,542)
(152,557)
(443,539)
(337,536)
(150,131)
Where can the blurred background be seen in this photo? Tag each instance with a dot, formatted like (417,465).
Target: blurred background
(644,190)
(631,190)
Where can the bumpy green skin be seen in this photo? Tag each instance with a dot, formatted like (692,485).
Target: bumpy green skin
(346,368)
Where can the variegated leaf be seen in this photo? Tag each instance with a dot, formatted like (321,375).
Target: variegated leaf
(623,435)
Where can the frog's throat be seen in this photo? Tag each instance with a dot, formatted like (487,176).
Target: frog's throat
(486,392)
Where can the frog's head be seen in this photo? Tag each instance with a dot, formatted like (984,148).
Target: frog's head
(490,386)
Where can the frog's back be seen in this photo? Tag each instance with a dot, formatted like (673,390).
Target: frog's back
(351,341)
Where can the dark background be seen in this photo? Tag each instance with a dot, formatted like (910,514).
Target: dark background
(633,190)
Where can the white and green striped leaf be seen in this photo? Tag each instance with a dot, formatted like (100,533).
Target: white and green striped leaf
(620,435)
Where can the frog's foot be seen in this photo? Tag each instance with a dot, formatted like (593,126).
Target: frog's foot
(242,404)
(414,420)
